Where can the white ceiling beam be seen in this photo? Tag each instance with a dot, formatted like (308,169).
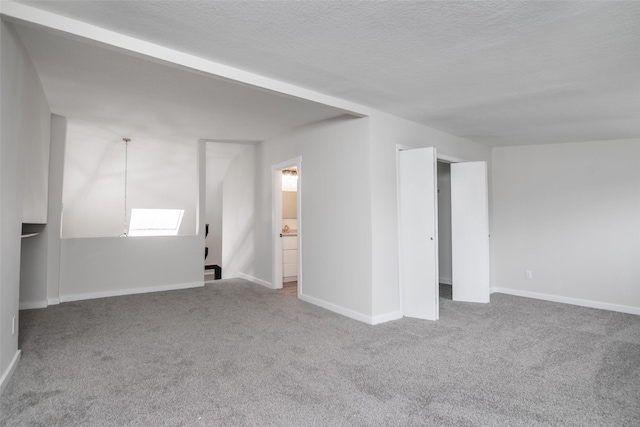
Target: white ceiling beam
(12,12)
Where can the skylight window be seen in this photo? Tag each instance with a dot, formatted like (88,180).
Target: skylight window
(155,222)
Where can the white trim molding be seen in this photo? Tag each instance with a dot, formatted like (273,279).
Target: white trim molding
(567,300)
(133,291)
(6,376)
(256,281)
(337,309)
(30,305)
(383,318)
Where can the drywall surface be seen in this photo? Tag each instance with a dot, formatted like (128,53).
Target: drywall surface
(53,228)
(218,158)
(100,267)
(161,174)
(335,226)
(239,194)
(289,204)
(569,214)
(216,169)
(213,240)
(35,128)
(444,222)
(22,106)
(336,214)
(386,132)
(33,268)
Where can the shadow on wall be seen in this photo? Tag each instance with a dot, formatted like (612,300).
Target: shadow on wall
(239,195)
(160,175)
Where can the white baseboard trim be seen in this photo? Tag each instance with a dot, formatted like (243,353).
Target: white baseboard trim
(6,376)
(445,281)
(256,281)
(30,305)
(567,300)
(337,309)
(383,318)
(54,301)
(131,291)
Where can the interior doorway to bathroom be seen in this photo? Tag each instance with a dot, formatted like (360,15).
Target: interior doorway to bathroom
(287,228)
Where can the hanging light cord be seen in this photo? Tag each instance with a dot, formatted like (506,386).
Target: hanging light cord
(126,163)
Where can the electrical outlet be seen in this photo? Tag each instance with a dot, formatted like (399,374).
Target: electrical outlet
(13,325)
(528,274)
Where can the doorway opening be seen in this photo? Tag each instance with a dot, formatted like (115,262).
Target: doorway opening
(287,254)
(228,176)
(443,180)
(419,225)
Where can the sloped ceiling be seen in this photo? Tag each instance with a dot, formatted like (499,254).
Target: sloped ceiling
(501,73)
(101,88)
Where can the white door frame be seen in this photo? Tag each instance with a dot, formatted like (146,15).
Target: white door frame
(276,220)
(439,157)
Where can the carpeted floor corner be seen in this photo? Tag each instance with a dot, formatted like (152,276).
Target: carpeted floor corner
(234,353)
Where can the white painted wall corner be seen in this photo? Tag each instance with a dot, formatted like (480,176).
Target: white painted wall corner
(8,373)
(256,281)
(30,305)
(383,318)
(337,309)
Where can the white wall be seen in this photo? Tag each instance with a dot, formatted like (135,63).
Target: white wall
(216,168)
(24,115)
(239,192)
(161,174)
(108,266)
(33,268)
(386,132)
(570,213)
(53,228)
(40,260)
(289,204)
(336,214)
(214,218)
(335,223)
(34,156)
(444,222)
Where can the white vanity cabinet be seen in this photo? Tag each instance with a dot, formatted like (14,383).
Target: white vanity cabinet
(289,257)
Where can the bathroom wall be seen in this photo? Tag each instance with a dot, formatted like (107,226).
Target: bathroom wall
(289,204)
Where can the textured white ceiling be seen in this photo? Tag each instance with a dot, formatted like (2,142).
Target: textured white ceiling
(501,73)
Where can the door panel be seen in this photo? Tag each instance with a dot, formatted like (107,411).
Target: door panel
(418,233)
(470,232)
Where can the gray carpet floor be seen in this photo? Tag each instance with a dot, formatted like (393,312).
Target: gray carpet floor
(234,353)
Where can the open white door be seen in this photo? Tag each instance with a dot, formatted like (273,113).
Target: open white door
(470,232)
(418,233)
